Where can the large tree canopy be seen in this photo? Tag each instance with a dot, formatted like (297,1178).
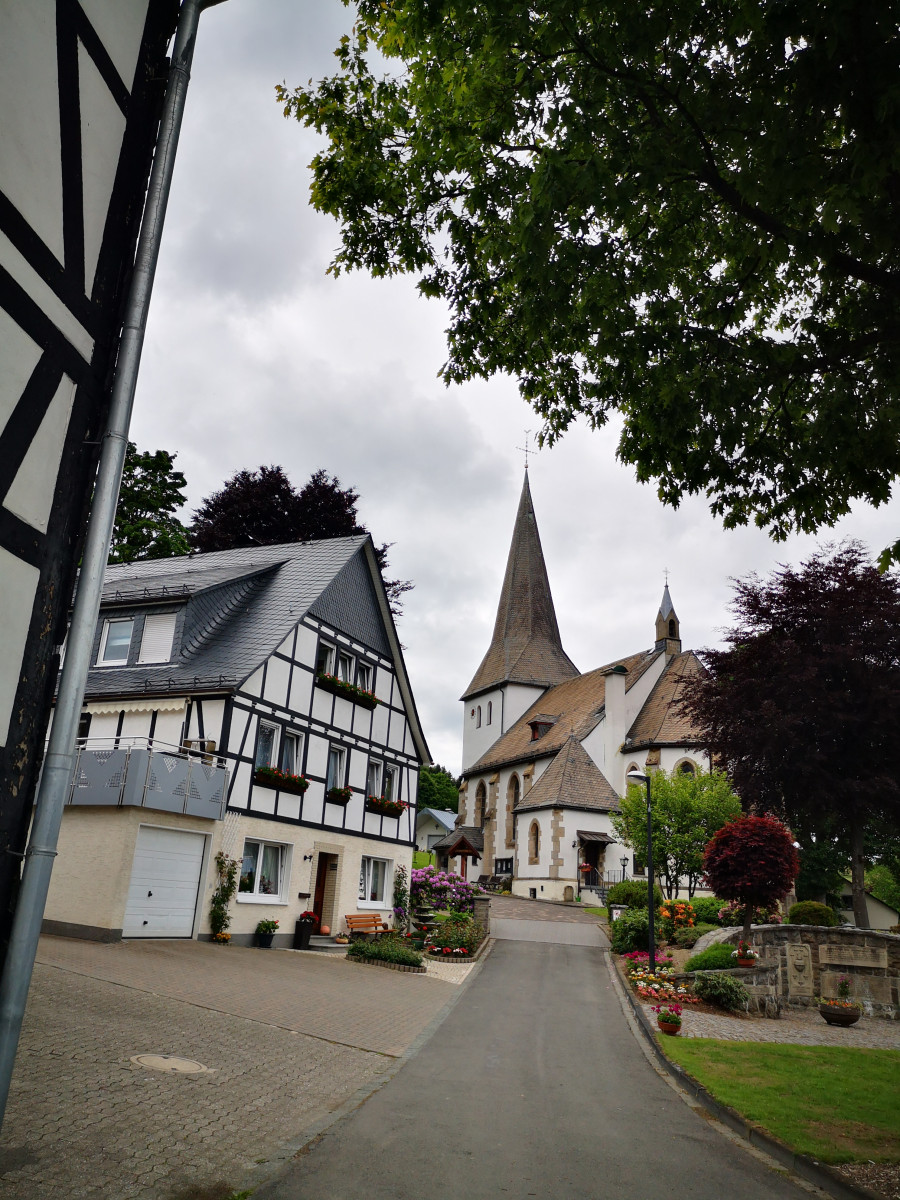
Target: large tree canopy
(151,493)
(262,508)
(802,708)
(685,213)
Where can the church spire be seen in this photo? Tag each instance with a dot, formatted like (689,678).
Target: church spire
(526,646)
(668,628)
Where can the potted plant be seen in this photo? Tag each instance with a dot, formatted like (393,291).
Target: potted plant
(303,930)
(387,808)
(342,939)
(842,1010)
(342,687)
(668,1018)
(745,954)
(339,795)
(283,780)
(265,932)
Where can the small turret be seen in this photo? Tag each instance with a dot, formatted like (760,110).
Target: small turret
(668,630)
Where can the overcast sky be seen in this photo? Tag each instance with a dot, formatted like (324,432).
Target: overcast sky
(253,355)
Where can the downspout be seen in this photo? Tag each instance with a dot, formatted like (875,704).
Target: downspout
(59,761)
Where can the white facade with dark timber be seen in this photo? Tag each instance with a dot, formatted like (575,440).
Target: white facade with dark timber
(546,748)
(80,86)
(209,670)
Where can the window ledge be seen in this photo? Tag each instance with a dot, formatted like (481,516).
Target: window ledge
(373,905)
(247,898)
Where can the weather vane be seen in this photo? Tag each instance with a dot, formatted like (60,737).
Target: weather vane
(666,573)
(525,449)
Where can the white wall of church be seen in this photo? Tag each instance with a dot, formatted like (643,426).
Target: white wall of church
(482,725)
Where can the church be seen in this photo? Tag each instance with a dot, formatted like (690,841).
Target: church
(546,748)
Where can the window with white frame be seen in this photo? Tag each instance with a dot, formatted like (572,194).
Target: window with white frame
(373,880)
(335,775)
(292,753)
(266,745)
(373,778)
(115,642)
(325,659)
(263,870)
(156,640)
(345,667)
(364,676)
(390,790)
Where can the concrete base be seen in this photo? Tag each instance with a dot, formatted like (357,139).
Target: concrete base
(86,933)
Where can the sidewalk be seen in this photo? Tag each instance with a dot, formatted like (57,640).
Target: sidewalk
(287,1039)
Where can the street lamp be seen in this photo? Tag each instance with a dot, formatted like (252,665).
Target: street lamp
(624,862)
(640,777)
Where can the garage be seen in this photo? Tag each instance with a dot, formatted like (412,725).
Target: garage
(165,880)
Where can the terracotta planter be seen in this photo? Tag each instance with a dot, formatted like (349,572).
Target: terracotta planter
(747,962)
(668,1027)
(835,1014)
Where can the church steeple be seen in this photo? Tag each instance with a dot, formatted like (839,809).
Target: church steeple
(668,629)
(525,646)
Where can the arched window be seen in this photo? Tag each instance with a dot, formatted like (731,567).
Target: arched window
(672,630)
(534,842)
(490,710)
(687,767)
(512,791)
(480,802)
(631,767)
(478,717)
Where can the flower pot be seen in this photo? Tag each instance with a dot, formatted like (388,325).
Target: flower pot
(746,962)
(264,940)
(302,934)
(668,1027)
(836,1014)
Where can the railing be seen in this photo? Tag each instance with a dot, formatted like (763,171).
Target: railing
(143,773)
(599,883)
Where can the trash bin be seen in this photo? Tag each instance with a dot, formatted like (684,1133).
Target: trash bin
(302,934)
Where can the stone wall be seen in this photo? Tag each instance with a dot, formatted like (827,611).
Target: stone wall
(808,960)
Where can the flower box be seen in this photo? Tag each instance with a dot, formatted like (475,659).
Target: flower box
(386,808)
(271,777)
(340,687)
(338,795)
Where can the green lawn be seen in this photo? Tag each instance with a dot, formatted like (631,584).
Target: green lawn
(833,1103)
(597,912)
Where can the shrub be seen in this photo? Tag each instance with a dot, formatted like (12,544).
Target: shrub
(675,915)
(385,950)
(457,933)
(713,958)
(631,931)
(430,888)
(686,938)
(706,909)
(633,893)
(722,990)
(733,913)
(808,912)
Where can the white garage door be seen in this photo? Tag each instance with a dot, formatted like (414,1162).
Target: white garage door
(165,878)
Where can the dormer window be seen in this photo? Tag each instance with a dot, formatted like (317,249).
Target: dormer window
(539,726)
(115,642)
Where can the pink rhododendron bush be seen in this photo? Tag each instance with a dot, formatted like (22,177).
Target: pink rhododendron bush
(441,890)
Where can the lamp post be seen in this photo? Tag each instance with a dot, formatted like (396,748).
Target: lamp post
(624,862)
(640,777)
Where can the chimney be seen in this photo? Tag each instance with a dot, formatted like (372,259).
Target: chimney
(614,728)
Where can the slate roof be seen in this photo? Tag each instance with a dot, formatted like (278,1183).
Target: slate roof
(525,645)
(469,833)
(447,819)
(237,606)
(573,780)
(579,703)
(660,721)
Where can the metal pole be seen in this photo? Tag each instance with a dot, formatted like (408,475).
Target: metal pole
(651,905)
(60,757)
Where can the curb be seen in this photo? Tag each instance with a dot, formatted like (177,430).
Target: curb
(379,962)
(807,1168)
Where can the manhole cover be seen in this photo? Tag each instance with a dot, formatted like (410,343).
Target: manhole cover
(170,1063)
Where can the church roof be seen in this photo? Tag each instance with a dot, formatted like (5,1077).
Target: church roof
(526,645)
(666,606)
(572,780)
(661,720)
(579,703)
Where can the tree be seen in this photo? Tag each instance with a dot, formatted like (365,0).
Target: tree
(438,789)
(752,860)
(262,508)
(152,491)
(687,810)
(802,707)
(687,217)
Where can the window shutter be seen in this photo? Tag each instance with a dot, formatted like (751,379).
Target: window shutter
(156,644)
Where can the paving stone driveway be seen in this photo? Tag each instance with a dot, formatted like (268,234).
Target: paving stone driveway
(288,1038)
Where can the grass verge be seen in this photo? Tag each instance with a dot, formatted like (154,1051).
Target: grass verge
(597,912)
(833,1103)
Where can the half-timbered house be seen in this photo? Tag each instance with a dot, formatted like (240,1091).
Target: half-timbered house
(250,701)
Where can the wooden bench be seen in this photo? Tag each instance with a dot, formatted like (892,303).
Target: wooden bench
(366,923)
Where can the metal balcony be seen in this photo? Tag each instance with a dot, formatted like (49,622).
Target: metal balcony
(148,774)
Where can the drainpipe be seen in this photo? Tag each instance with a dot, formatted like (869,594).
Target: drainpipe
(59,760)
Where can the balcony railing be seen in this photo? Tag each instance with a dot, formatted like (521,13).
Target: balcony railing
(143,773)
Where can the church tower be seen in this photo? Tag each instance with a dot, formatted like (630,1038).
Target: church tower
(525,656)
(668,629)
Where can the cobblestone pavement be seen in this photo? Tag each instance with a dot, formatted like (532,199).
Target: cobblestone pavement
(513,908)
(805,1028)
(287,1039)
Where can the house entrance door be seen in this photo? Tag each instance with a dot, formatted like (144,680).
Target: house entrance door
(326,889)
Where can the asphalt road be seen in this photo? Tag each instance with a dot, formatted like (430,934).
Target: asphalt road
(534,1086)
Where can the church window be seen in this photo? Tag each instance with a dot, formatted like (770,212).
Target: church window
(672,630)
(512,791)
(503,866)
(490,711)
(534,842)
(687,768)
(480,804)
(478,717)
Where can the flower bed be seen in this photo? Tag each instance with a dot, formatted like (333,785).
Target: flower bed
(271,777)
(340,687)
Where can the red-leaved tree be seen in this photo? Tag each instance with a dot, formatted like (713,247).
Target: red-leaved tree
(752,860)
